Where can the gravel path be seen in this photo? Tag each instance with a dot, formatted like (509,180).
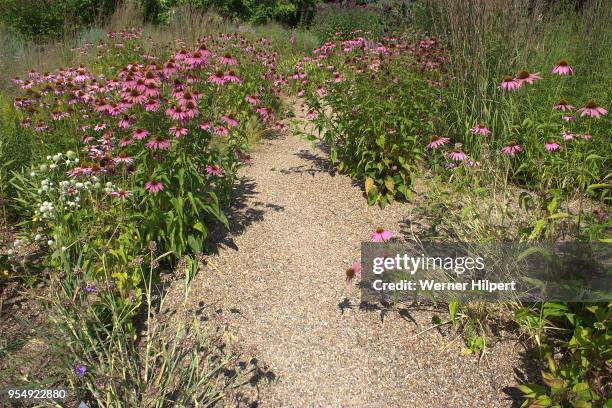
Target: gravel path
(278,285)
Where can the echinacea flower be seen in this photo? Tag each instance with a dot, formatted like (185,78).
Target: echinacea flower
(551,146)
(214,170)
(140,134)
(436,141)
(562,68)
(568,118)
(126,142)
(158,143)
(457,155)
(229,121)
(381,235)
(585,136)
(525,76)
(480,129)
(206,126)
(509,84)
(593,110)
(221,131)
(511,148)
(563,105)
(351,273)
(231,76)
(251,100)
(121,194)
(178,131)
(154,186)
(217,78)
(123,158)
(228,60)
(80,370)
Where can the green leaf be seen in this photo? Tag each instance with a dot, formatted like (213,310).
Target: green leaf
(537,230)
(453,308)
(390,184)
(369,184)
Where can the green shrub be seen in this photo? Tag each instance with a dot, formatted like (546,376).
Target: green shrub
(333,18)
(290,12)
(375,110)
(53,18)
(15,151)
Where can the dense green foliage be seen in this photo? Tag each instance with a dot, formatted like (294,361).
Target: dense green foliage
(53,18)
(290,12)
(374,108)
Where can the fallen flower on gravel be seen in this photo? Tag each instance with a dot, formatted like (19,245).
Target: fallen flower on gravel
(351,273)
(381,235)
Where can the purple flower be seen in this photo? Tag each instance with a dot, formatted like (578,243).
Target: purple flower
(80,370)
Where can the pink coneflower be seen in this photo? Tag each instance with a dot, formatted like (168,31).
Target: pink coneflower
(526,77)
(251,100)
(509,84)
(229,121)
(217,78)
(263,112)
(243,157)
(214,170)
(381,235)
(126,142)
(231,76)
(154,186)
(568,118)
(511,148)
(121,194)
(563,105)
(436,141)
(351,273)
(191,110)
(158,143)
(562,68)
(196,60)
(480,129)
(181,55)
(140,134)
(551,146)
(585,136)
(152,105)
(169,68)
(125,122)
(178,131)
(176,113)
(206,126)
(221,130)
(593,110)
(457,155)
(123,158)
(99,127)
(567,135)
(228,60)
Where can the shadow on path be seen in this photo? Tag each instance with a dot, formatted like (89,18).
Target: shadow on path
(242,211)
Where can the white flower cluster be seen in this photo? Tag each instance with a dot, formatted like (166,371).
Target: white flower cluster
(45,210)
(18,244)
(59,159)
